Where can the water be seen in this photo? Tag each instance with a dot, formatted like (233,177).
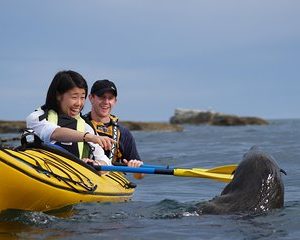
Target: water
(162,206)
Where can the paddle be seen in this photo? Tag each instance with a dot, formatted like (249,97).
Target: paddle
(221,173)
(227,169)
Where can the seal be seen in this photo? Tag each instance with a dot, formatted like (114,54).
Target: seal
(257,187)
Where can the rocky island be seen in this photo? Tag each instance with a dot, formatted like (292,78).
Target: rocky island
(190,116)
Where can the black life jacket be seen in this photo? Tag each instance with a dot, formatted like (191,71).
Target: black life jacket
(79,149)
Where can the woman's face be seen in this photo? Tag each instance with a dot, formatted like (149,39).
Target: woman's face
(72,101)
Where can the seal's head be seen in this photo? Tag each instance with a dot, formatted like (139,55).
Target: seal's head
(257,186)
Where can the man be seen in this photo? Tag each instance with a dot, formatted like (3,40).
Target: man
(103,98)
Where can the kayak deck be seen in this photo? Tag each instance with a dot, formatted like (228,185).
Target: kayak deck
(42,180)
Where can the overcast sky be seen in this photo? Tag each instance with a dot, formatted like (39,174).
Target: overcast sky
(232,56)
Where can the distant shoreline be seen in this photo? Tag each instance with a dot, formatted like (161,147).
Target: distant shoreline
(18,126)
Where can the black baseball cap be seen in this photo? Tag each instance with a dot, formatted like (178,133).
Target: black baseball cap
(102,86)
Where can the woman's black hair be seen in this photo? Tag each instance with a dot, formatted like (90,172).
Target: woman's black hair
(62,82)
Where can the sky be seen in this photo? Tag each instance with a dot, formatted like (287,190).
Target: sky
(231,56)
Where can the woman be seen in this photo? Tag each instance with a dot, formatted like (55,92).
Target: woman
(59,120)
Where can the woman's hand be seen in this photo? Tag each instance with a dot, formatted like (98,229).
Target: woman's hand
(95,163)
(105,142)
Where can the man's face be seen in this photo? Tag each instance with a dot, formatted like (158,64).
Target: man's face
(103,105)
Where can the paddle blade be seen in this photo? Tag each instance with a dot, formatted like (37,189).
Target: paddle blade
(226,169)
(222,177)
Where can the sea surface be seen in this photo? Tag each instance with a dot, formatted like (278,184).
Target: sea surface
(161,206)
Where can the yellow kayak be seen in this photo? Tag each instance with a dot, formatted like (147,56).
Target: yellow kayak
(44,179)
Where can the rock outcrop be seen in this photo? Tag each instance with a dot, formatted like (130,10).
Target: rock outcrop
(12,126)
(152,126)
(189,116)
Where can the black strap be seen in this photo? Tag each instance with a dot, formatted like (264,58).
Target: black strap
(114,137)
(29,137)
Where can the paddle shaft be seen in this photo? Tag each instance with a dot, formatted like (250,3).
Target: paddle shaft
(226,169)
(147,170)
(175,172)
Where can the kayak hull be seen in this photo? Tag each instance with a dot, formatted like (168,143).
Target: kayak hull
(42,180)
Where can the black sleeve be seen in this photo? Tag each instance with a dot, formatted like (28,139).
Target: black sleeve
(128,145)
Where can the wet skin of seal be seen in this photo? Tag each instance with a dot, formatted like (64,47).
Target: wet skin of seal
(257,187)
